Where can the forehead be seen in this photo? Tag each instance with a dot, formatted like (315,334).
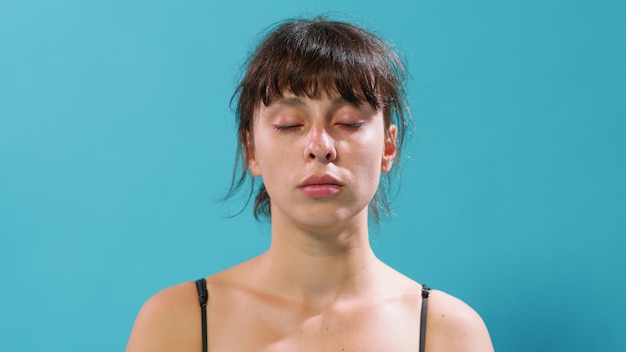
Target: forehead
(333,102)
(290,99)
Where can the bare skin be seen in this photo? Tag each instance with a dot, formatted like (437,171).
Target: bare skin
(319,287)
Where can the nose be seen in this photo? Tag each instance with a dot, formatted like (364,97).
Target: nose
(320,145)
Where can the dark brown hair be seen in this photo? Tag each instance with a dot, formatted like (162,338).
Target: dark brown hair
(312,58)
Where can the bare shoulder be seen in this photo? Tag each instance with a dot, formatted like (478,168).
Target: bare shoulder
(455,326)
(168,321)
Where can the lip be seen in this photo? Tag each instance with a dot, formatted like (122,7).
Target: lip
(320,180)
(320,186)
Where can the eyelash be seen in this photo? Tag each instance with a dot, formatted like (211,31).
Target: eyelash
(287,128)
(354,126)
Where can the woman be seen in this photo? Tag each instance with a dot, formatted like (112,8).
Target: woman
(321,115)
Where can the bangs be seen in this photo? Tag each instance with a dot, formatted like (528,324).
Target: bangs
(313,59)
(315,73)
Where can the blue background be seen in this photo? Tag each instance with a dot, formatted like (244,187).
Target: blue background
(116,140)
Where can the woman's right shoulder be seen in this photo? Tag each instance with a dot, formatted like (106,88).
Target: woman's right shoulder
(168,321)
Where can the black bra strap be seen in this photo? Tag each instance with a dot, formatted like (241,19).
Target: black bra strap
(203,296)
(425,294)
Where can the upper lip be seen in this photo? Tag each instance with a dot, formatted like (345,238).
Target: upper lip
(320,180)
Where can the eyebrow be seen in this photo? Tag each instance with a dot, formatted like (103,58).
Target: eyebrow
(296,101)
(290,101)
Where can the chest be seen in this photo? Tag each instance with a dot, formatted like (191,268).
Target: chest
(393,326)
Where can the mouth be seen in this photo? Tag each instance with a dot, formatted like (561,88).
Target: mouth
(320,180)
(320,186)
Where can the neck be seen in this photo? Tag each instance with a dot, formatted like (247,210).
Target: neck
(318,267)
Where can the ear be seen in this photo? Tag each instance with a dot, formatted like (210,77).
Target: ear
(250,155)
(390,150)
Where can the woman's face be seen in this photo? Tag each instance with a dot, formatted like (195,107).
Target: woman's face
(320,159)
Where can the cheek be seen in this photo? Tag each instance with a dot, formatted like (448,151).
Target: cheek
(368,159)
(272,159)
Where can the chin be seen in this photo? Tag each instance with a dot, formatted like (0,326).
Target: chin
(322,219)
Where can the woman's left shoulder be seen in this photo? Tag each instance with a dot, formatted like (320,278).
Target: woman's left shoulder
(454,326)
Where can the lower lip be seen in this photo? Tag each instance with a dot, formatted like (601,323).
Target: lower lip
(318,191)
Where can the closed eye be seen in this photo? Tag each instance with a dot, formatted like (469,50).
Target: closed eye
(286,128)
(354,125)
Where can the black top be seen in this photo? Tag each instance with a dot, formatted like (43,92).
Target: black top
(203,297)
